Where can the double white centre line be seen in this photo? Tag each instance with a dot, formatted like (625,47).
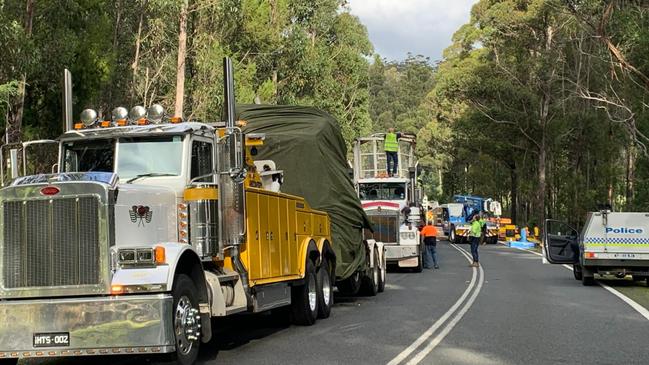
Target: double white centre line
(432,337)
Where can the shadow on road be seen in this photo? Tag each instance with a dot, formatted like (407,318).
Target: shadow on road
(228,333)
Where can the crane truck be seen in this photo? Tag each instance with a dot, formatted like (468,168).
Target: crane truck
(385,198)
(308,145)
(464,208)
(150,227)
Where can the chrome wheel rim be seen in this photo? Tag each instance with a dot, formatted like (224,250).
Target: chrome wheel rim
(186,325)
(312,294)
(326,289)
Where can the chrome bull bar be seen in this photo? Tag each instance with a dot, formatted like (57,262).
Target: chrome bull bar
(96,326)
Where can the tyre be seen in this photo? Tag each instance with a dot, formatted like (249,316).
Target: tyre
(576,271)
(587,278)
(325,289)
(351,285)
(371,282)
(186,319)
(451,235)
(304,303)
(420,260)
(382,274)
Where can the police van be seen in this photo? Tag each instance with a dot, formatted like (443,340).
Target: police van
(609,244)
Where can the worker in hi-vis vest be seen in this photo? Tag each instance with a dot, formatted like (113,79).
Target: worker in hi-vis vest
(391,147)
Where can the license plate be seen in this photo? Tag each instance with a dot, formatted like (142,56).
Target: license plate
(57,339)
(624,255)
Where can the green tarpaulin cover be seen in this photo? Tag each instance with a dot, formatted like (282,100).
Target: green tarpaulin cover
(306,143)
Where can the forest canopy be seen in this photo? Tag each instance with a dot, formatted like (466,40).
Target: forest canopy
(541,104)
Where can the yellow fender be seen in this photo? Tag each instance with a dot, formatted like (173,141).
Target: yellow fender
(308,248)
(327,251)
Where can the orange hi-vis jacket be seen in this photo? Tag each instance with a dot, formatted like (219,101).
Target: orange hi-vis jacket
(429,231)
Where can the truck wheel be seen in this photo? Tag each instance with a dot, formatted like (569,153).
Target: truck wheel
(351,285)
(576,271)
(371,282)
(304,303)
(325,290)
(451,235)
(186,320)
(587,278)
(382,273)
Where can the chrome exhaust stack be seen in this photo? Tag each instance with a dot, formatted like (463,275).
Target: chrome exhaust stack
(68,123)
(231,176)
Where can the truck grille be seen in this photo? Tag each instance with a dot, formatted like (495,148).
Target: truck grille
(51,242)
(386,227)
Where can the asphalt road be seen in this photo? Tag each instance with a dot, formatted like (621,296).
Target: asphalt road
(514,311)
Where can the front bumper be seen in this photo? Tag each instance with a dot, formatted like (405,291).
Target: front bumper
(394,253)
(97,326)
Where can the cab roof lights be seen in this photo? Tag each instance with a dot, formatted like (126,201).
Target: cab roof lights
(121,117)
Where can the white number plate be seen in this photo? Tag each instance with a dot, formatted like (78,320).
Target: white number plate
(624,256)
(59,339)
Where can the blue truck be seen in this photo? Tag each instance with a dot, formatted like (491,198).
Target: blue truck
(460,212)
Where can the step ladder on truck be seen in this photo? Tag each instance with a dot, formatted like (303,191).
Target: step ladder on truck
(150,227)
(386,198)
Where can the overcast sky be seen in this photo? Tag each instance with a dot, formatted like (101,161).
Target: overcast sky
(425,27)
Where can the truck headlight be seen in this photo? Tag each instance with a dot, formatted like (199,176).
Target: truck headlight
(141,257)
(408,235)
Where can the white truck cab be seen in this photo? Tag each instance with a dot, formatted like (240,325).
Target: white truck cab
(609,244)
(385,198)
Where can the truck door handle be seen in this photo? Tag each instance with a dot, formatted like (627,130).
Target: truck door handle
(267,236)
(256,235)
(271,236)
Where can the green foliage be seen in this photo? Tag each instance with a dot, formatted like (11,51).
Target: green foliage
(534,76)
(125,53)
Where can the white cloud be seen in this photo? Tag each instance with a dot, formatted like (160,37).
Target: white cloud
(425,27)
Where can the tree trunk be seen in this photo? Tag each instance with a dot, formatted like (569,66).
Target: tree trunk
(540,194)
(138,44)
(513,175)
(14,127)
(180,66)
(630,175)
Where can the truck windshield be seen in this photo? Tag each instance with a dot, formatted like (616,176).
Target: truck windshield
(382,191)
(136,156)
(455,210)
(149,156)
(91,155)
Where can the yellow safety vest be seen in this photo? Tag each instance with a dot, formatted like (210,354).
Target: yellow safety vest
(391,144)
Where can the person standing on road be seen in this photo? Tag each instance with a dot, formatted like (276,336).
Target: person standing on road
(474,235)
(429,235)
(483,228)
(391,148)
